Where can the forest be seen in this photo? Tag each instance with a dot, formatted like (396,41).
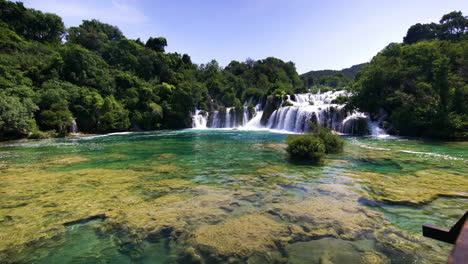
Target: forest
(92,76)
(422,83)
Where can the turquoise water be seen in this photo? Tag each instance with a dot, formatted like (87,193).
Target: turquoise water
(163,192)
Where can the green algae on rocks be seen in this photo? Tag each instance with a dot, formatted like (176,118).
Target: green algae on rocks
(220,197)
(421,187)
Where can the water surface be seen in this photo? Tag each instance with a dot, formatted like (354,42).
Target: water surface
(210,196)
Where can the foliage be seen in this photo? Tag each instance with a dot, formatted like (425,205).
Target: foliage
(106,82)
(332,142)
(114,117)
(452,26)
(341,100)
(32,24)
(327,80)
(93,34)
(16,115)
(58,117)
(326,83)
(305,147)
(422,87)
(156,44)
(315,145)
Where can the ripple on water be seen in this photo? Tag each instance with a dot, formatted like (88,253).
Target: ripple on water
(201,195)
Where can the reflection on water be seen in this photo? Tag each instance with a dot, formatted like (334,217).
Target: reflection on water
(225,196)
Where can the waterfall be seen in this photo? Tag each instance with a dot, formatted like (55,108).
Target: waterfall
(303,108)
(73,128)
(199,119)
(227,123)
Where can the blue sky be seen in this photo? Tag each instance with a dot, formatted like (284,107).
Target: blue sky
(314,34)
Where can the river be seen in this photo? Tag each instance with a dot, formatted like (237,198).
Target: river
(213,196)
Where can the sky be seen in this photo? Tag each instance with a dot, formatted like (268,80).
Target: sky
(314,34)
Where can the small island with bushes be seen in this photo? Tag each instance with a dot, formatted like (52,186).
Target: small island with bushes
(315,145)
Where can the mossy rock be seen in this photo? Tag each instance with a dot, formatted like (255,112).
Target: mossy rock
(422,187)
(66,160)
(332,250)
(325,216)
(239,239)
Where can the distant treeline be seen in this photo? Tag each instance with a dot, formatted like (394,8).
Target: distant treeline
(325,80)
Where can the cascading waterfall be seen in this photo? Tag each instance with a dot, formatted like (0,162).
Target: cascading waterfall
(302,108)
(226,118)
(199,119)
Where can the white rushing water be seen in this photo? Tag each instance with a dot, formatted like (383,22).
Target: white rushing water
(318,108)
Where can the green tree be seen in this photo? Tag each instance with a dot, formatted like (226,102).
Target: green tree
(32,24)
(57,117)
(453,25)
(421,32)
(114,117)
(156,44)
(16,116)
(93,34)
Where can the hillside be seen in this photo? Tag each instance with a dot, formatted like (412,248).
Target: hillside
(99,81)
(348,72)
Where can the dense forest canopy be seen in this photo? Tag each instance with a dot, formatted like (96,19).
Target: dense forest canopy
(422,84)
(52,77)
(93,75)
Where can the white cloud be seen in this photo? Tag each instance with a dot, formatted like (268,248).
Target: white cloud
(115,12)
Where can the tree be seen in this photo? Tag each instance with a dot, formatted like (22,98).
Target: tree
(114,116)
(156,44)
(419,86)
(93,34)
(420,32)
(32,24)
(453,25)
(87,109)
(108,82)
(58,117)
(16,116)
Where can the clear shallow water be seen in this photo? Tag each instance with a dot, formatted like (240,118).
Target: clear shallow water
(225,196)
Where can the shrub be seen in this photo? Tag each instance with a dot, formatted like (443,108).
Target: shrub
(37,134)
(341,100)
(333,143)
(286,103)
(315,145)
(305,147)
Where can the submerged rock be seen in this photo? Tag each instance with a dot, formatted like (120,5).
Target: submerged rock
(332,250)
(422,187)
(323,216)
(67,160)
(270,147)
(240,239)
(207,223)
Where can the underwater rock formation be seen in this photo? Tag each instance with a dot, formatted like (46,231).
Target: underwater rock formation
(421,187)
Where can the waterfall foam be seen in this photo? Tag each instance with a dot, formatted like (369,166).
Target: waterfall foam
(199,119)
(319,108)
